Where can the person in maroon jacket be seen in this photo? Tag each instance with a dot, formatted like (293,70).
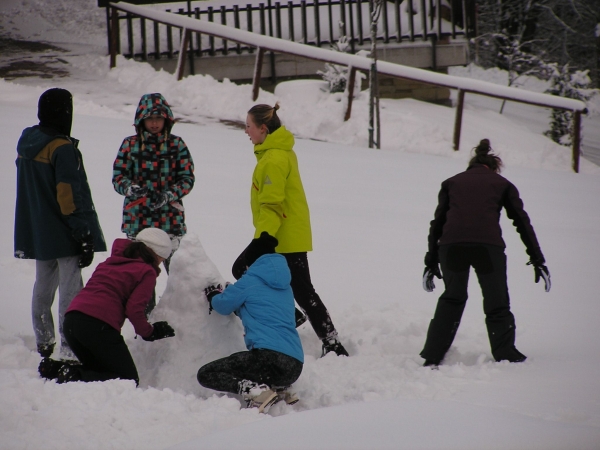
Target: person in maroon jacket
(465,233)
(119,288)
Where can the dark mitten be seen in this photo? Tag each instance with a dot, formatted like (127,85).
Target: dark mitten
(160,199)
(213,290)
(432,268)
(161,330)
(87,251)
(541,271)
(134,191)
(210,292)
(428,275)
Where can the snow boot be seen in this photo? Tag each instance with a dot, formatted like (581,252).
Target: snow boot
(49,368)
(257,395)
(434,365)
(68,373)
(289,398)
(512,355)
(333,345)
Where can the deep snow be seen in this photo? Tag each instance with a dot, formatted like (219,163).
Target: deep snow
(370,213)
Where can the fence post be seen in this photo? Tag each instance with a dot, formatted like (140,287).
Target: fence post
(114,35)
(576,140)
(185,42)
(458,119)
(350,92)
(257,73)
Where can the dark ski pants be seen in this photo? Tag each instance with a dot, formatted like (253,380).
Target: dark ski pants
(304,292)
(261,366)
(100,348)
(489,262)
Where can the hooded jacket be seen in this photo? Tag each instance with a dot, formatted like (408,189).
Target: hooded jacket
(119,288)
(54,207)
(161,162)
(277,196)
(468,211)
(263,299)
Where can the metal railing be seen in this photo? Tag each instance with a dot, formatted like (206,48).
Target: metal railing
(354,62)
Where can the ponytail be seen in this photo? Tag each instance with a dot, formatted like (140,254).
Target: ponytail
(484,155)
(265,115)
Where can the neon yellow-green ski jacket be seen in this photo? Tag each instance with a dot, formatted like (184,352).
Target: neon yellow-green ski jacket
(277,196)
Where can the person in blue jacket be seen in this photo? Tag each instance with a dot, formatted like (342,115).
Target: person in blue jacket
(56,223)
(262,298)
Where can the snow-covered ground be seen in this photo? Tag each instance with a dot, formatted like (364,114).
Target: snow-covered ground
(370,213)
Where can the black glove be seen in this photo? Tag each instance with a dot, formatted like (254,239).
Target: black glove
(213,290)
(541,271)
(87,251)
(160,199)
(134,191)
(161,330)
(432,268)
(210,292)
(428,275)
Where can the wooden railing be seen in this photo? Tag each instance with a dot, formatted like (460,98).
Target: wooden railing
(320,23)
(354,62)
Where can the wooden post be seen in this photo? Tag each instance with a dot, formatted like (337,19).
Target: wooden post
(257,72)
(114,36)
(350,92)
(458,119)
(576,140)
(185,42)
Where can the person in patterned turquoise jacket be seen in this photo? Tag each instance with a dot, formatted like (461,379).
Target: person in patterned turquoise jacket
(154,170)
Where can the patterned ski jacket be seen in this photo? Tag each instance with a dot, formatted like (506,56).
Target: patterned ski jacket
(54,207)
(277,196)
(119,288)
(468,211)
(263,299)
(162,163)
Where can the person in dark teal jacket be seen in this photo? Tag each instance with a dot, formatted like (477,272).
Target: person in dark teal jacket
(55,220)
(262,298)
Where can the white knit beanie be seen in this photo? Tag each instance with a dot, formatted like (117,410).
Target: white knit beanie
(157,240)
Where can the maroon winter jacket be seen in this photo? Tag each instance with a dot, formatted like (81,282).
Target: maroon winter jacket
(119,288)
(468,211)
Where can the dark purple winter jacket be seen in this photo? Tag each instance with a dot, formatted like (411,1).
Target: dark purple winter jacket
(119,288)
(468,211)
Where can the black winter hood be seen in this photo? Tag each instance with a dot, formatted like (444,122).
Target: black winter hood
(55,110)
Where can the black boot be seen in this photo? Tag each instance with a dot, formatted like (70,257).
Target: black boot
(49,368)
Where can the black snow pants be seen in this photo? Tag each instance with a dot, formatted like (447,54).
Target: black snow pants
(100,348)
(489,262)
(261,366)
(304,292)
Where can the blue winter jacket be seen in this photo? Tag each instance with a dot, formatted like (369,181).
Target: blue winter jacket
(54,208)
(263,299)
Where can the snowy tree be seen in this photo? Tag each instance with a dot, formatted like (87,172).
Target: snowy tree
(334,74)
(570,84)
(552,30)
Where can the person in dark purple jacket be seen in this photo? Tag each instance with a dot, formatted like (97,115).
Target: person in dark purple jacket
(119,288)
(465,233)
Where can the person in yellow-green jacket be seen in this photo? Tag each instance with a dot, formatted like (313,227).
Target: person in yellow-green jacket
(279,207)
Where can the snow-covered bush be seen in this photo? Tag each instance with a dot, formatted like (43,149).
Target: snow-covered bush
(569,84)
